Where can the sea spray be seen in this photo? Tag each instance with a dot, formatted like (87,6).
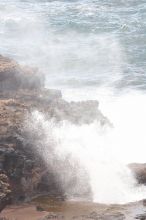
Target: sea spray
(90,161)
(41,135)
(85,48)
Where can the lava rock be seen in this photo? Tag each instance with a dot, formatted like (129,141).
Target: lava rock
(141,217)
(5,191)
(21,92)
(139,170)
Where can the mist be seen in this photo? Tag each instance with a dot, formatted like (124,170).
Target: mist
(87,57)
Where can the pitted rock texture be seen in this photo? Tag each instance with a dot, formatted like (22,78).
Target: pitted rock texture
(5,192)
(22,91)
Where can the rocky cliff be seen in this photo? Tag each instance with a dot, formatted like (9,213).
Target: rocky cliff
(23,173)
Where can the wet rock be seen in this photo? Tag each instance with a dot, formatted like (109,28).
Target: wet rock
(51,216)
(141,216)
(21,92)
(5,191)
(139,170)
(144,202)
(39,208)
(114,216)
(100,216)
(84,112)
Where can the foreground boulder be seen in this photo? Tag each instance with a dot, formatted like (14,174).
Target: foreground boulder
(139,170)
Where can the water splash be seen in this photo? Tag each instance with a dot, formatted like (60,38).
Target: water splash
(96,158)
(85,44)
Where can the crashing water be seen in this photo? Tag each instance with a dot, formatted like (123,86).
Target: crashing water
(90,50)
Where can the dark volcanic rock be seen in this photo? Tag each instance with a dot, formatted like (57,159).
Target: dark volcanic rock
(141,217)
(5,192)
(139,171)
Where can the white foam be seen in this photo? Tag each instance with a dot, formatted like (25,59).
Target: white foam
(103,153)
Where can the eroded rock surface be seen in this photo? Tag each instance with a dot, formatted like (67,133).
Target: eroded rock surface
(21,92)
(5,192)
(139,171)
(14,77)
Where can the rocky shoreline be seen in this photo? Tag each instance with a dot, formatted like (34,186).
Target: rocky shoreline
(74,211)
(22,91)
(23,174)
